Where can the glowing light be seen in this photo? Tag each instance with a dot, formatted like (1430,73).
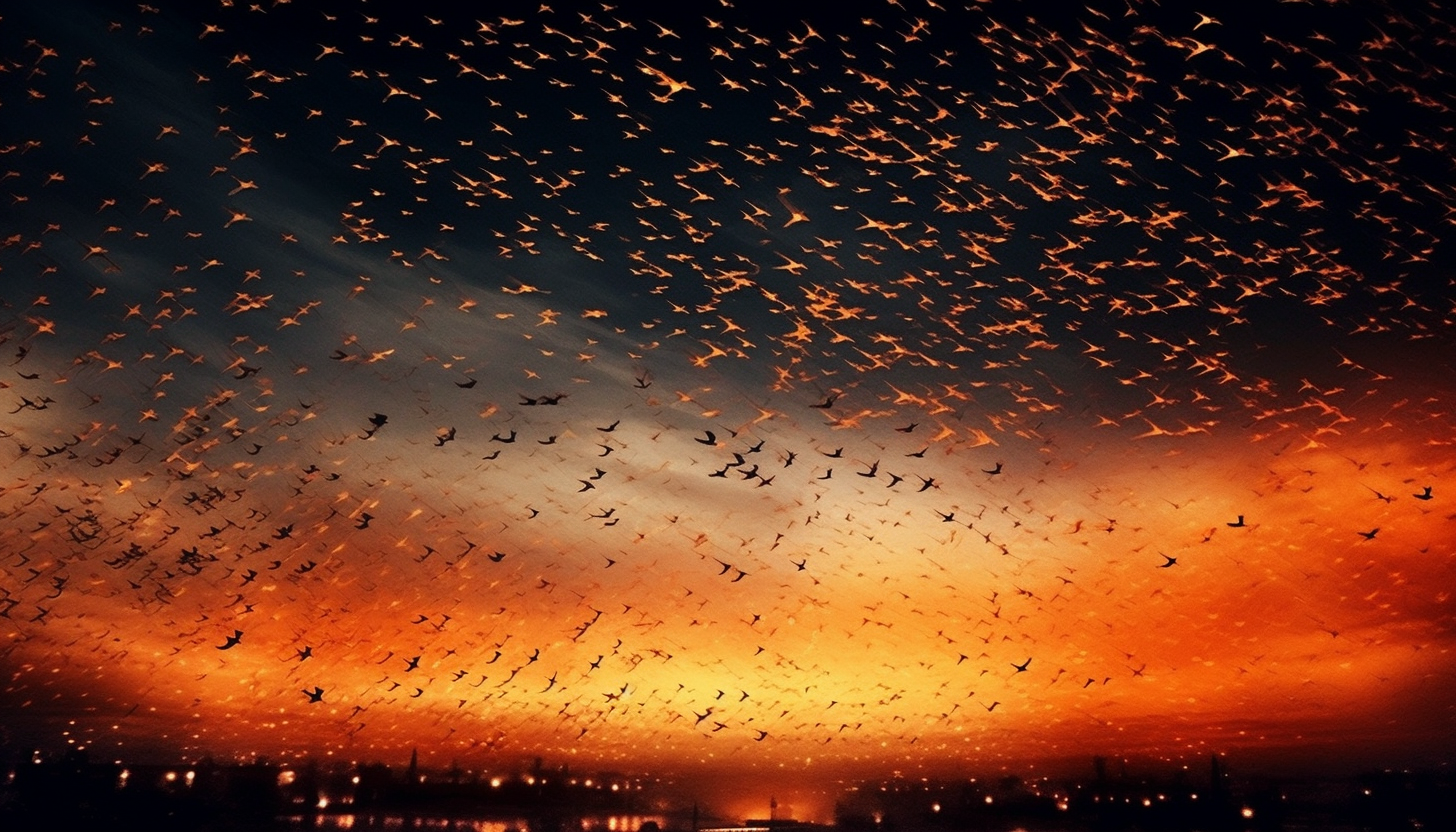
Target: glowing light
(1246,812)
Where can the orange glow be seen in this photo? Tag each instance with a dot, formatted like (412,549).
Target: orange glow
(859,397)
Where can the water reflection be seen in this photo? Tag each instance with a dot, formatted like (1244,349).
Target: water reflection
(371,821)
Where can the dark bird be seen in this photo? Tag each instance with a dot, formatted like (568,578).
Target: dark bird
(1370,535)
(1171,561)
(376,422)
(1021,668)
(1238,524)
(1382,497)
(315,695)
(992,471)
(1425,493)
(232,640)
(708,438)
(827,403)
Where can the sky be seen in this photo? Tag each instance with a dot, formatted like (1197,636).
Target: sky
(903,387)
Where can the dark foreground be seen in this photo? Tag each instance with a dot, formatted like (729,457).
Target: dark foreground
(75,794)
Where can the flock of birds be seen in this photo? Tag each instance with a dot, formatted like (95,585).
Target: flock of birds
(902,385)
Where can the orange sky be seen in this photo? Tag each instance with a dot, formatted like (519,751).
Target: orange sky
(741,457)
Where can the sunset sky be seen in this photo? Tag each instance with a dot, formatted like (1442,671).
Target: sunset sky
(916,387)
